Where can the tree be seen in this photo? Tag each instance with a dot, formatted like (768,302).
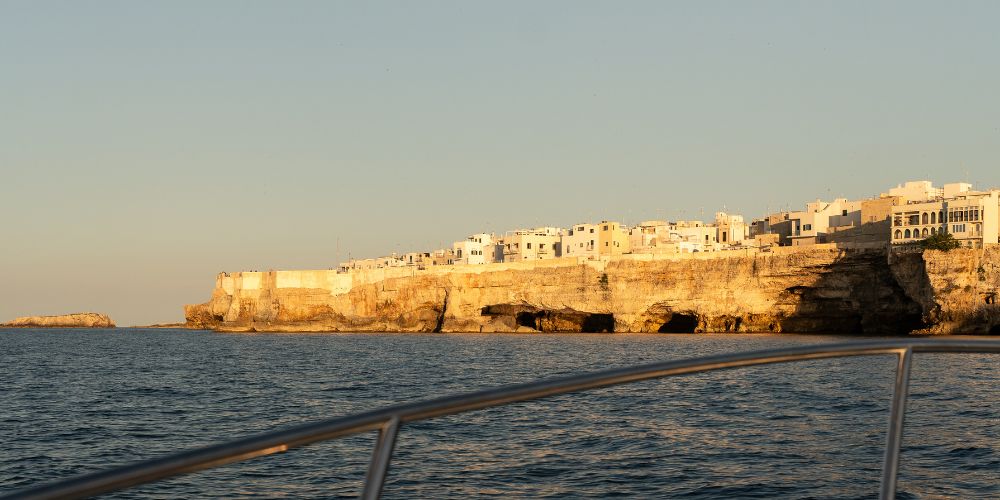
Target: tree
(940,241)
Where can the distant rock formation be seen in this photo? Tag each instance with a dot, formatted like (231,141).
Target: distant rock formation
(813,290)
(76,320)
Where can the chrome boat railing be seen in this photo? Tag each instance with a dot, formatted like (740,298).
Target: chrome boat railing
(388,421)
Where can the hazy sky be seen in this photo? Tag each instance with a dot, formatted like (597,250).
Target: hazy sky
(146,146)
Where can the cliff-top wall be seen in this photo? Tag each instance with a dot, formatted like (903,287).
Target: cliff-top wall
(822,289)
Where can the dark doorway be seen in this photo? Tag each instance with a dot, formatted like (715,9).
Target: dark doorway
(598,323)
(680,323)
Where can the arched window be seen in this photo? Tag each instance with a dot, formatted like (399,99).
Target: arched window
(924,233)
(906,234)
(899,234)
(925,218)
(933,217)
(933,230)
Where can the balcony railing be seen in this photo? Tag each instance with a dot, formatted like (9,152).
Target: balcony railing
(389,421)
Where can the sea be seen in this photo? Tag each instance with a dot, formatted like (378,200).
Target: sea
(78,401)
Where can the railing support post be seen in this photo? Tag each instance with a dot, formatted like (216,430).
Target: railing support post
(894,436)
(379,466)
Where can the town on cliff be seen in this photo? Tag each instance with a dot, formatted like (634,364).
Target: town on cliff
(842,266)
(900,218)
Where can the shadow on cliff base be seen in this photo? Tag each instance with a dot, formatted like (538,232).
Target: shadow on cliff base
(857,294)
(553,321)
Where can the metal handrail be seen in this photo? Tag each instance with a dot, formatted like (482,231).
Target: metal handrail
(389,420)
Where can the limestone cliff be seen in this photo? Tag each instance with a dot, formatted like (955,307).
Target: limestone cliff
(823,290)
(76,320)
(957,290)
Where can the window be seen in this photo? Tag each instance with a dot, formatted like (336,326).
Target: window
(807,227)
(529,246)
(844,213)
(605,243)
(906,234)
(605,228)
(899,234)
(926,218)
(933,218)
(924,232)
(933,231)
(541,246)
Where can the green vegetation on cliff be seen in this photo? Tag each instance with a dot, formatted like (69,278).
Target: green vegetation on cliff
(940,241)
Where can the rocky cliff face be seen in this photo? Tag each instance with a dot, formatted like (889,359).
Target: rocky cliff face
(77,320)
(957,290)
(822,290)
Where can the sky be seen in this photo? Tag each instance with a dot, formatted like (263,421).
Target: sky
(147,146)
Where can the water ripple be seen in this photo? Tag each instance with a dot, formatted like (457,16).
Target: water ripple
(74,402)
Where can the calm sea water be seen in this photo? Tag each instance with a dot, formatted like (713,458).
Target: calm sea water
(78,401)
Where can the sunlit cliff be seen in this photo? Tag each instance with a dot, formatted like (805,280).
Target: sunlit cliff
(821,289)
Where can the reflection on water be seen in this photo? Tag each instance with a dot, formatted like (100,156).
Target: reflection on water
(73,402)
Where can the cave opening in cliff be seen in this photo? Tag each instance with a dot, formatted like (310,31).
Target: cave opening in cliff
(680,323)
(598,323)
(528,319)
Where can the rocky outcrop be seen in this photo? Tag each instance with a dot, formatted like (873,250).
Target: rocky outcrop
(77,320)
(958,290)
(819,290)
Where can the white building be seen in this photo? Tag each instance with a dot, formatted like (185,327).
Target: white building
(820,218)
(730,229)
(702,237)
(482,248)
(532,244)
(972,217)
(647,236)
(915,191)
(581,240)
(369,264)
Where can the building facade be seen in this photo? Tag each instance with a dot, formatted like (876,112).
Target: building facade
(532,244)
(730,229)
(581,240)
(481,248)
(971,217)
(612,239)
